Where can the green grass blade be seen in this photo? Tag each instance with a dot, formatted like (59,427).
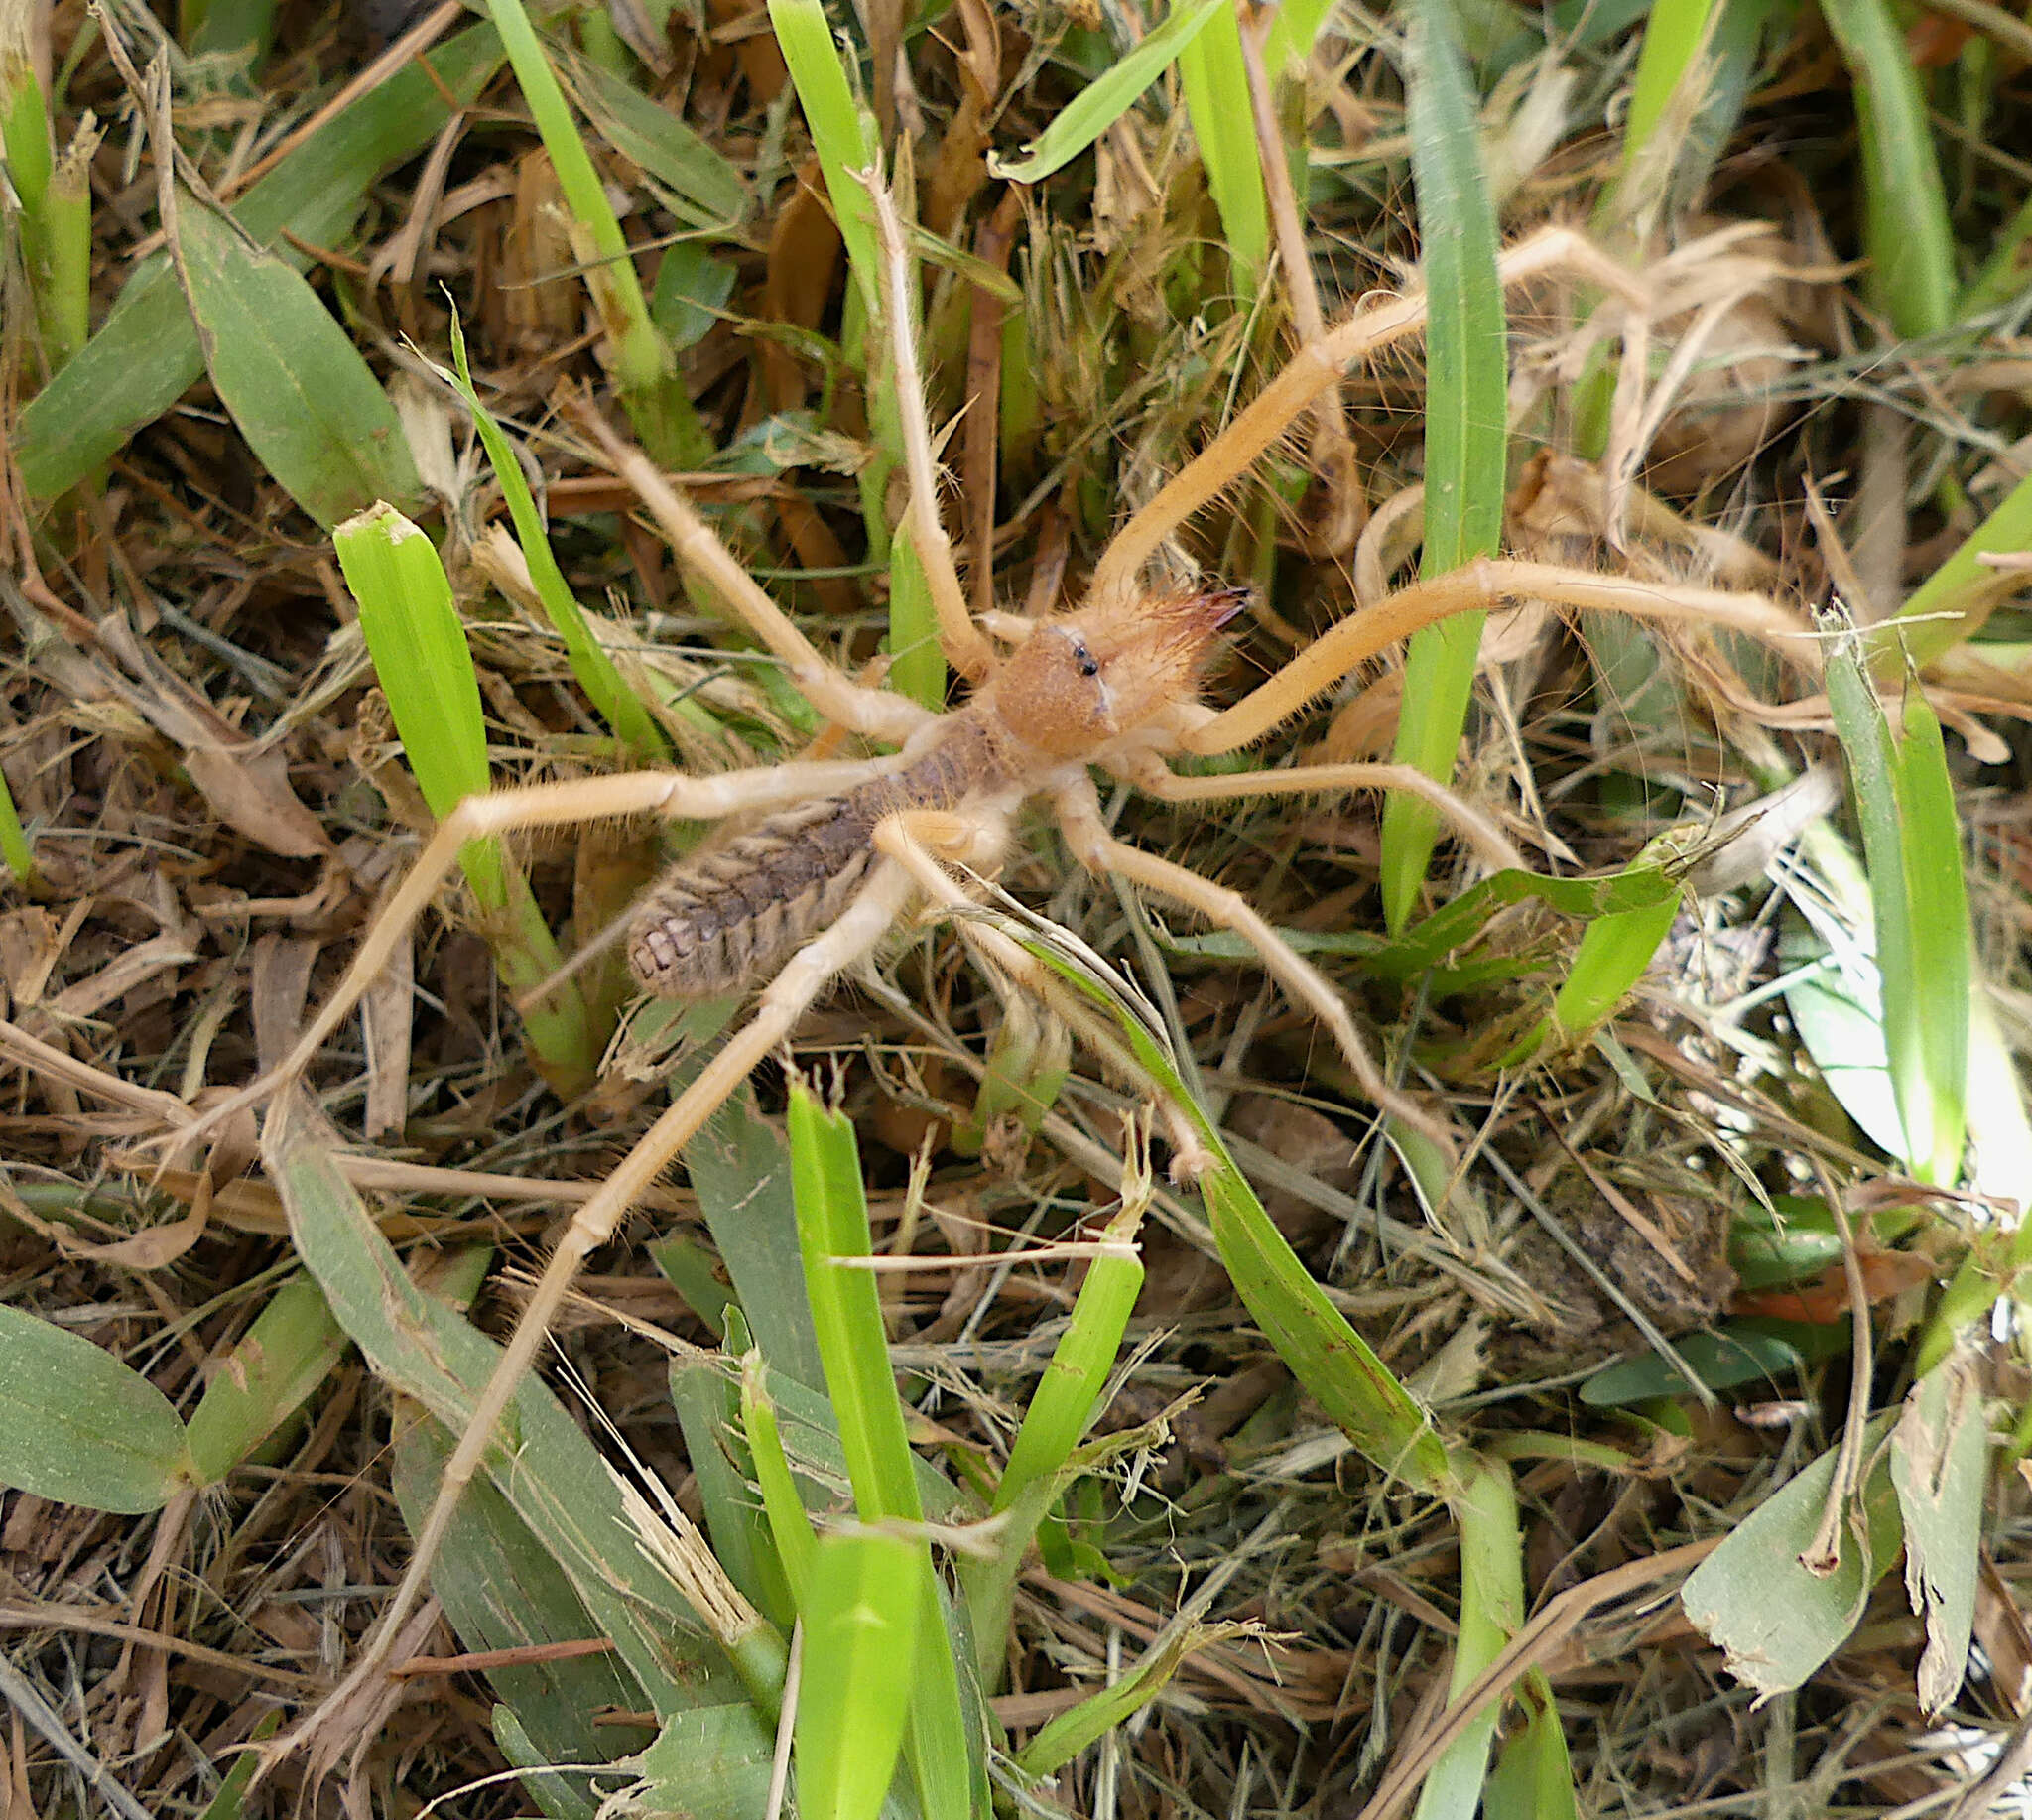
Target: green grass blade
(78,1427)
(287,1351)
(790,1525)
(296,385)
(1492,1612)
(146,354)
(542,1462)
(1675,31)
(15,851)
(611,698)
(1106,100)
(1066,1399)
(657,403)
(1466,438)
(1906,232)
(839,134)
(1911,839)
(1335,1364)
(1928,626)
(1215,85)
(863,1612)
(426,671)
(832,1228)
(1943,938)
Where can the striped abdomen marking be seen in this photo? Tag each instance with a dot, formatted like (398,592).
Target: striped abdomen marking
(725,919)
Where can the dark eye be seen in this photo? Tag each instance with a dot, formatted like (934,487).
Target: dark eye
(1088,664)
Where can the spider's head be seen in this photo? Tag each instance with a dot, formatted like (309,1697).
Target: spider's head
(1079,681)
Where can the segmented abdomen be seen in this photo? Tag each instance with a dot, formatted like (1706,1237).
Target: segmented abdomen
(725,919)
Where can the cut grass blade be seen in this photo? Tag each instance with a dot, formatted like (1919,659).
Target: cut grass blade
(611,698)
(421,657)
(1067,1400)
(1466,418)
(847,1310)
(288,1350)
(1925,949)
(863,1609)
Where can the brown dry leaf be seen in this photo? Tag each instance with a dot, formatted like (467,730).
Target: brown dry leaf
(804,257)
(387,1015)
(281,981)
(248,786)
(160,1244)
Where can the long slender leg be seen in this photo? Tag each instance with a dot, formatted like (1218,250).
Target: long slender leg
(1154,778)
(859,928)
(1078,812)
(1489,583)
(668,793)
(1313,370)
(960,639)
(872,712)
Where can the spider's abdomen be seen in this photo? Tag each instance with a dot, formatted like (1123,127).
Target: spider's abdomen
(725,919)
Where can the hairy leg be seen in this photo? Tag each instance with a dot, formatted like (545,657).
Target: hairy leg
(1078,812)
(1485,583)
(1154,778)
(1313,371)
(861,926)
(960,639)
(873,711)
(668,793)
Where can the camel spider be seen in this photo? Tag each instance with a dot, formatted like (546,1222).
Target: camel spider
(838,851)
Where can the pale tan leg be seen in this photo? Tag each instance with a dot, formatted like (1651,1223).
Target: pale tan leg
(1482,584)
(859,928)
(960,639)
(1154,778)
(1332,452)
(1078,812)
(668,793)
(909,839)
(1314,371)
(873,711)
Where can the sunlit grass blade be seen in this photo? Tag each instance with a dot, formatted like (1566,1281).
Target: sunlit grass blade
(1066,1399)
(610,697)
(1947,608)
(656,401)
(833,1231)
(788,1523)
(1911,834)
(1906,232)
(421,657)
(1335,1364)
(1466,416)
(1105,100)
(863,1611)
(1215,85)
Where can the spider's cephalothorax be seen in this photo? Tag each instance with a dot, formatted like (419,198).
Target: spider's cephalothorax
(725,918)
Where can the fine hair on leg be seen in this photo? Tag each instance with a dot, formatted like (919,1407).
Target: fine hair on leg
(1078,812)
